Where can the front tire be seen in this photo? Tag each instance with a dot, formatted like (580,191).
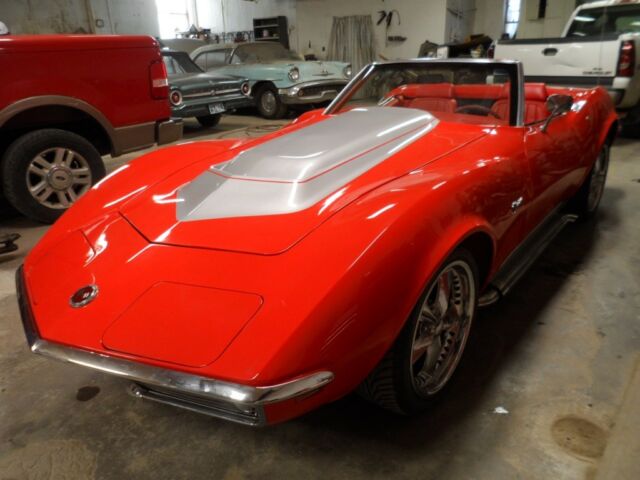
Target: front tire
(209,121)
(45,171)
(428,350)
(269,104)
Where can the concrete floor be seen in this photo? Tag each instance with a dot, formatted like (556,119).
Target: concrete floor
(559,358)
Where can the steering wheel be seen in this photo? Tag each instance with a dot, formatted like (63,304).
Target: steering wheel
(478,109)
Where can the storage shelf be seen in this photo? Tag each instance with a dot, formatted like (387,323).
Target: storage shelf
(276,27)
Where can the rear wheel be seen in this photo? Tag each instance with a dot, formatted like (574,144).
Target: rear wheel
(426,353)
(588,198)
(269,104)
(45,171)
(209,121)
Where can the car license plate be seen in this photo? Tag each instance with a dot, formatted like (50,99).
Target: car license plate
(216,108)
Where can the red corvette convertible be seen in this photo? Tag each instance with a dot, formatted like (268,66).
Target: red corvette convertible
(255,280)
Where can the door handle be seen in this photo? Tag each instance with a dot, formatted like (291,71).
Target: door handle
(549,51)
(516,204)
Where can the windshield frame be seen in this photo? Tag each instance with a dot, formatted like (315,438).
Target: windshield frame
(516,111)
(260,44)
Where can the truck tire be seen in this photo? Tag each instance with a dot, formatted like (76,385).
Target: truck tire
(209,121)
(269,104)
(44,172)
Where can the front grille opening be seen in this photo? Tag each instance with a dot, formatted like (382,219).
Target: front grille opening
(244,414)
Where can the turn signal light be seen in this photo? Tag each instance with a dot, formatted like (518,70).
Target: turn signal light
(627,59)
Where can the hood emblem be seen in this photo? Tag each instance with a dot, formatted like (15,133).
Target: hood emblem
(84,296)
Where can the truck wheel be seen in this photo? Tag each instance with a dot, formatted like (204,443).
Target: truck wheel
(45,171)
(269,104)
(209,121)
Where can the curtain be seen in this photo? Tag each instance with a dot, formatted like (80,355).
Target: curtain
(352,41)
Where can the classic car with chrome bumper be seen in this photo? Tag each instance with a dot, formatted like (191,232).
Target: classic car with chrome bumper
(312,92)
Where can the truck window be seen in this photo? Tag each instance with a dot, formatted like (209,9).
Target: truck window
(591,22)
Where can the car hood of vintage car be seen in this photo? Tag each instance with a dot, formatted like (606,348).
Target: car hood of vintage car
(267,197)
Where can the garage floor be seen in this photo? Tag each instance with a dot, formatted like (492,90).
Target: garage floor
(549,388)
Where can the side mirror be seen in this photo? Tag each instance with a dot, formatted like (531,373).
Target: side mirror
(557,105)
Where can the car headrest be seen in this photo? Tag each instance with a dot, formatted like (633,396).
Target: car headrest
(535,92)
(426,90)
(479,91)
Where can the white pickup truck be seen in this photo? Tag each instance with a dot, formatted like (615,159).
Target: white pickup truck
(599,46)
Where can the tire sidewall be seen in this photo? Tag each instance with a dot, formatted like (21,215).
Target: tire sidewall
(278,112)
(209,121)
(18,157)
(408,399)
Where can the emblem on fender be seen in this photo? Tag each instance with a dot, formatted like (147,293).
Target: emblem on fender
(83,296)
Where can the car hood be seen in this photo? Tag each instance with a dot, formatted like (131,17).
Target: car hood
(267,197)
(319,70)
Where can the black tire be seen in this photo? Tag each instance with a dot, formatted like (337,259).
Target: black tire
(391,384)
(25,149)
(209,121)
(586,201)
(278,110)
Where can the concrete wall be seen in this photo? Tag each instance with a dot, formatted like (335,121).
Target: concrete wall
(556,16)
(125,16)
(489,17)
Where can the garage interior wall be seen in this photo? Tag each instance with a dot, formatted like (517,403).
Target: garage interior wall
(556,16)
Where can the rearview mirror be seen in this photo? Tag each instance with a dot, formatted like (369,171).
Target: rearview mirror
(557,105)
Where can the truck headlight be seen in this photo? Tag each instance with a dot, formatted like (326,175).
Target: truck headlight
(347,71)
(294,74)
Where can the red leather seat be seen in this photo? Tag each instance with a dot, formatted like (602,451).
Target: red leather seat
(437,97)
(535,106)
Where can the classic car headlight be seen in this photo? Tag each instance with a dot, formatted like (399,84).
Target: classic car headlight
(245,89)
(347,71)
(294,74)
(175,98)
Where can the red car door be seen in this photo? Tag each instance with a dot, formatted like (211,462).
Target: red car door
(555,158)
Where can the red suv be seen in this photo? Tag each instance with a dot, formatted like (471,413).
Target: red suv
(65,101)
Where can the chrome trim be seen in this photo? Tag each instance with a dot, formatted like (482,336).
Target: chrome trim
(293,91)
(212,93)
(180,382)
(93,293)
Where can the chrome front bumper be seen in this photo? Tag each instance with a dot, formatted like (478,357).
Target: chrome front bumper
(230,401)
(321,91)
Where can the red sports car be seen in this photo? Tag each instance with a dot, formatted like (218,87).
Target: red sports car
(257,279)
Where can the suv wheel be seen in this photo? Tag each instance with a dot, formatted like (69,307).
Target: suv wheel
(45,171)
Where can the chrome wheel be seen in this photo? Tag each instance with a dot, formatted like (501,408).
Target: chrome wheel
(442,328)
(268,102)
(56,177)
(598,179)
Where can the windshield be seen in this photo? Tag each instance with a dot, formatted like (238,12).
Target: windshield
(476,93)
(178,63)
(262,53)
(606,20)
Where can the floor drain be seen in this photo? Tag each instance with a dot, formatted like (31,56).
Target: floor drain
(579,436)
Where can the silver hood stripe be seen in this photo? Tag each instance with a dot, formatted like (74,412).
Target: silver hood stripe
(295,171)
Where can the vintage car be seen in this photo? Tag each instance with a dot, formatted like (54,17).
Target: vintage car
(205,96)
(279,77)
(257,279)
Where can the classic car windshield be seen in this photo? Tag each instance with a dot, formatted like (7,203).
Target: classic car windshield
(178,63)
(262,53)
(464,92)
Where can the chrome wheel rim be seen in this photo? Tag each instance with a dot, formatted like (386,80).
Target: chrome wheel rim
(56,177)
(442,328)
(598,179)
(268,102)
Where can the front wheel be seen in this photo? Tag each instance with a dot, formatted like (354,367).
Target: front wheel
(588,198)
(45,171)
(209,121)
(269,104)
(426,353)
